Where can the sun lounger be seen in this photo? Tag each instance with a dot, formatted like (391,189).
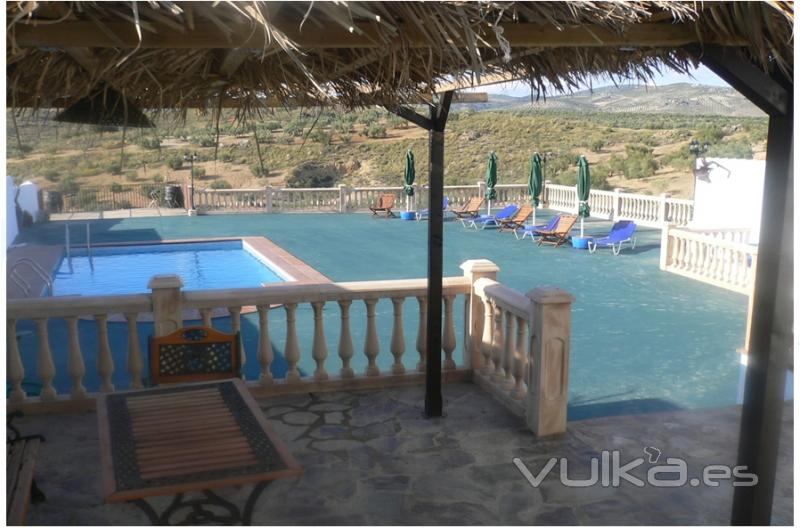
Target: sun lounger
(425,213)
(471,209)
(559,234)
(494,220)
(518,220)
(529,230)
(384,205)
(621,232)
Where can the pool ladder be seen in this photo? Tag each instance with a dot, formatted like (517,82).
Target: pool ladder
(34,266)
(67,245)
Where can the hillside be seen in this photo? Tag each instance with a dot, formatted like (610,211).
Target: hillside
(679,98)
(642,152)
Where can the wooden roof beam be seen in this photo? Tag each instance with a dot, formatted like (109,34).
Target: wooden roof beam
(206,36)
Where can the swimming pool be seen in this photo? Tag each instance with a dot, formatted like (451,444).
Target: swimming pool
(127,269)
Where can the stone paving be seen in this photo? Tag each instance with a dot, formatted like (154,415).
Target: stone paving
(371,458)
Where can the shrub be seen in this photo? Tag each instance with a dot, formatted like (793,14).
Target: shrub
(270,126)
(158,178)
(68,185)
(293,129)
(124,204)
(639,162)
(375,130)
(320,136)
(198,172)
(258,171)
(731,149)
(287,138)
(131,175)
(204,140)
(220,184)
(175,162)
(149,143)
(114,167)
(709,134)
(51,175)
(313,174)
(597,145)
(116,188)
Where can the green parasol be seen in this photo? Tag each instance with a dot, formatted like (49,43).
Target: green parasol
(491,180)
(535,181)
(408,178)
(584,182)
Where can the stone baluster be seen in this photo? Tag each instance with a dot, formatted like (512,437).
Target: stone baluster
(520,360)
(319,348)
(497,344)
(345,340)
(398,345)
(105,362)
(509,347)
(205,315)
(371,345)
(75,364)
(449,334)
(15,370)
(486,339)
(292,352)
(236,326)
(422,333)
(265,354)
(44,359)
(134,360)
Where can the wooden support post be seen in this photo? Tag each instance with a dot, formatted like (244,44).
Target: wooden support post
(771,333)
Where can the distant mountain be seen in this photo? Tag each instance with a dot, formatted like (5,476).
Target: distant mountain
(679,98)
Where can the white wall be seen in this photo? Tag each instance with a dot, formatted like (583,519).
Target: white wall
(12,229)
(732,197)
(28,199)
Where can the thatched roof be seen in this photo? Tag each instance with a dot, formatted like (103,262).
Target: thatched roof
(163,54)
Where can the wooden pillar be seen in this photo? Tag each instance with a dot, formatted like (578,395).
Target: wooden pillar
(771,332)
(435,125)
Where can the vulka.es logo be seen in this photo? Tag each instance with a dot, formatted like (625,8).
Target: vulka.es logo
(608,470)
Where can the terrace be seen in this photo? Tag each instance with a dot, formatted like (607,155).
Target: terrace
(544,382)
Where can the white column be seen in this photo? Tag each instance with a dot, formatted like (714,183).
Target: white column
(345,340)
(292,352)
(167,304)
(265,353)
(44,360)
(319,349)
(422,333)
(105,362)
(473,324)
(371,345)
(15,372)
(398,345)
(135,364)
(236,325)
(342,198)
(449,333)
(548,390)
(76,366)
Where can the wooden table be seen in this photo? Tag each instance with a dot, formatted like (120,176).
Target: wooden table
(198,437)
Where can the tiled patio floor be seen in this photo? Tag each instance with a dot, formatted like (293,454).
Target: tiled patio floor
(371,458)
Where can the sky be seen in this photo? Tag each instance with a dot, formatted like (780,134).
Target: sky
(701,75)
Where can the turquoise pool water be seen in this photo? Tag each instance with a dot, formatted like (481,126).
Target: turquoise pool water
(127,269)
(642,339)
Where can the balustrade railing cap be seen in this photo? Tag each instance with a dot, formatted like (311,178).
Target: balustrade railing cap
(479,266)
(165,281)
(550,295)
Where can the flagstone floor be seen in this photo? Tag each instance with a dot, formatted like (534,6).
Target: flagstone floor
(371,458)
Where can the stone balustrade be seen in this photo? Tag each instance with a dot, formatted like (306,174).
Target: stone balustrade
(719,257)
(502,361)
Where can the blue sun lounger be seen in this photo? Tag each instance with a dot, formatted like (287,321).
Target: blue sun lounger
(485,221)
(621,232)
(425,213)
(530,230)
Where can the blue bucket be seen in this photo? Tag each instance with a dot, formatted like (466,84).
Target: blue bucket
(581,242)
(408,215)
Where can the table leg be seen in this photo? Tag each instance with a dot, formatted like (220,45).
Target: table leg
(199,512)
